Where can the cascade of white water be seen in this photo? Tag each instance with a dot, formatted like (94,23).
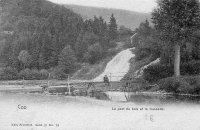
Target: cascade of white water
(118,66)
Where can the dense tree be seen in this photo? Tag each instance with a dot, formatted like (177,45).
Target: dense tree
(112,28)
(25,58)
(84,40)
(40,27)
(94,31)
(125,31)
(176,20)
(67,59)
(146,41)
(94,54)
(144,29)
(41,62)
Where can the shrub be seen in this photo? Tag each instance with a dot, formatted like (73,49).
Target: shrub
(35,74)
(194,81)
(29,74)
(112,44)
(173,84)
(58,73)
(25,74)
(44,74)
(190,68)
(112,52)
(141,54)
(185,84)
(157,72)
(95,53)
(8,73)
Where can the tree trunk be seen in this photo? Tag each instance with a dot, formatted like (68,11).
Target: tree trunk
(177,60)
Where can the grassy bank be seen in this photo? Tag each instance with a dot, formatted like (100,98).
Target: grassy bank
(174,85)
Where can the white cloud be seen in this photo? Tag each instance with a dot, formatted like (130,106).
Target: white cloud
(134,5)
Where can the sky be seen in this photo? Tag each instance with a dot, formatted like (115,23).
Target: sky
(145,6)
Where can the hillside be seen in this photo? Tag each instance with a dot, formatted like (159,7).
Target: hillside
(37,36)
(40,28)
(129,19)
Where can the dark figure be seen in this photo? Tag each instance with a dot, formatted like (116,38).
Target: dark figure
(91,89)
(90,84)
(106,80)
(44,87)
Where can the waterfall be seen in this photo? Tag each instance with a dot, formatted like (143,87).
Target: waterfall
(118,66)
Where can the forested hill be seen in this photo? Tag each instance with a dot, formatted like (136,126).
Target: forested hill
(41,28)
(129,19)
(37,35)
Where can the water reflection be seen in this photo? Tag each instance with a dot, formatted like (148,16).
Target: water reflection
(161,99)
(138,98)
(63,91)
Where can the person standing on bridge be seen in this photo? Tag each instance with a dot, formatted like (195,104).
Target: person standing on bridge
(106,80)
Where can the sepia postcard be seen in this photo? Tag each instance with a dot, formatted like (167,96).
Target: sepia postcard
(99,64)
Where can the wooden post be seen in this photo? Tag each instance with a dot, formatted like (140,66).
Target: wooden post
(23,82)
(48,79)
(110,80)
(110,76)
(69,91)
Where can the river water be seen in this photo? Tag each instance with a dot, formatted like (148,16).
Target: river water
(58,111)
